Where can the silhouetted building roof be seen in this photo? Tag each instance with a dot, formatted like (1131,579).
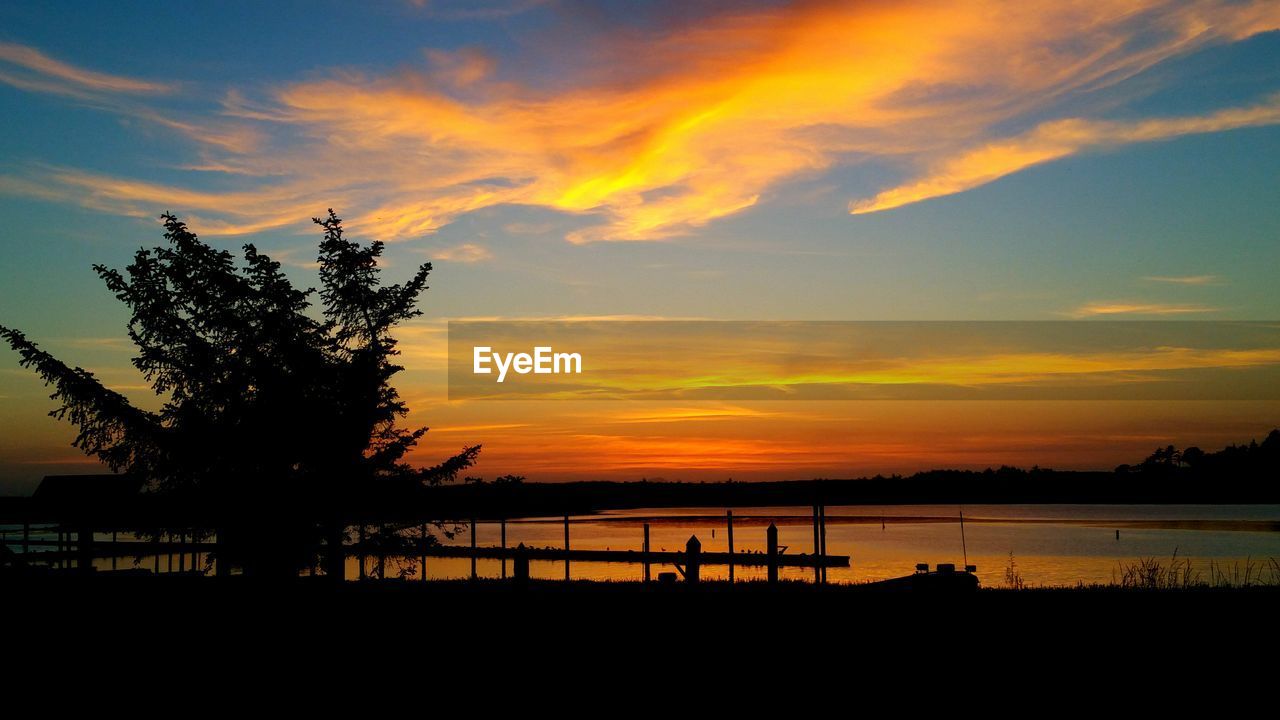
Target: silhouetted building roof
(87,489)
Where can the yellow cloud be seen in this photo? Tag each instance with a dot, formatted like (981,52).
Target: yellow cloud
(1137,308)
(1185,279)
(690,414)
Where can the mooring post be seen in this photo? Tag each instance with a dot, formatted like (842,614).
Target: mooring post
(729,517)
(817,545)
(504,547)
(692,558)
(520,566)
(26,539)
(114,549)
(771,541)
(566,547)
(473,548)
(647,577)
(822,552)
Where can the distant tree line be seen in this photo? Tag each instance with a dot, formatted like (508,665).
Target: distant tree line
(1234,461)
(1237,474)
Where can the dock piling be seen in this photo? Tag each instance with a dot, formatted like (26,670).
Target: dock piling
(647,577)
(817,544)
(729,519)
(693,558)
(822,525)
(771,537)
(520,566)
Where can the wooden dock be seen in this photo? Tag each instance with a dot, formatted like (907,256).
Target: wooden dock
(77,547)
(621,556)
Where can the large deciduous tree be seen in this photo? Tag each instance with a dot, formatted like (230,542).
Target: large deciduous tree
(275,418)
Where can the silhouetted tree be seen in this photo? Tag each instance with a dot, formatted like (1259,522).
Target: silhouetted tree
(273,419)
(1164,460)
(1192,457)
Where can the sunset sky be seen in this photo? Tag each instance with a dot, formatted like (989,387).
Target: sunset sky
(903,160)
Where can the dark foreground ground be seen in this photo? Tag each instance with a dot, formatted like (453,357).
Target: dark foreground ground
(504,602)
(477,642)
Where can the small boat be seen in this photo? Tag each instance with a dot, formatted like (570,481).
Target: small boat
(944,579)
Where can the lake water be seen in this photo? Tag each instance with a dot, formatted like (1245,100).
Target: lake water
(1051,544)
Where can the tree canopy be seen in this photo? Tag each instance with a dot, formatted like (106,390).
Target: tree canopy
(272,414)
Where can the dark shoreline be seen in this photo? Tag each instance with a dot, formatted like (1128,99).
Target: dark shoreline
(1035,487)
(391,502)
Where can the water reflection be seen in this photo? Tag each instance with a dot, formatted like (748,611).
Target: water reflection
(1053,544)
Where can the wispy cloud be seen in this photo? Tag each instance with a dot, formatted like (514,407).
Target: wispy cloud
(1185,279)
(464,253)
(666,133)
(461,67)
(1095,309)
(478,428)
(258,207)
(56,76)
(691,414)
(477,9)
(1053,141)
(29,69)
(574,318)
(101,343)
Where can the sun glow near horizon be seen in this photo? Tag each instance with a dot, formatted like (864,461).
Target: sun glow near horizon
(813,160)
